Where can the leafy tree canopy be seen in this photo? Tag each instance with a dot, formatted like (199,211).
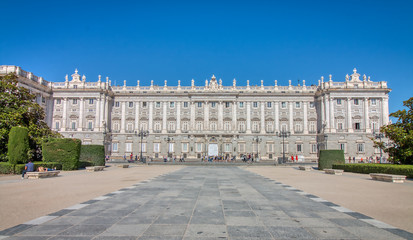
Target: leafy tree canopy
(18,108)
(401,135)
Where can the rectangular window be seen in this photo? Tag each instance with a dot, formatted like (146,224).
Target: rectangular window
(357,126)
(283,105)
(156,147)
(227,104)
(185,104)
(158,104)
(373,102)
(199,147)
(117,104)
(338,101)
(313,148)
(356,102)
(343,147)
(297,105)
(299,148)
(91,101)
(311,104)
(269,104)
(199,104)
(184,147)
(241,104)
(73,125)
(172,104)
(213,104)
(57,125)
(227,147)
(115,147)
(144,104)
(130,104)
(128,147)
(241,147)
(90,125)
(143,147)
(74,101)
(58,101)
(255,104)
(340,126)
(360,147)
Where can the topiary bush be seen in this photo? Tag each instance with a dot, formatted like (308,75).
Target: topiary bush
(18,145)
(93,154)
(367,168)
(62,150)
(6,168)
(329,157)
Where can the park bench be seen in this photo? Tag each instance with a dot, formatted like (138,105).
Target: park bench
(388,177)
(35,175)
(305,168)
(95,168)
(123,165)
(334,171)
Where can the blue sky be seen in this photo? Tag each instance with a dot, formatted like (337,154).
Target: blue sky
(167,40)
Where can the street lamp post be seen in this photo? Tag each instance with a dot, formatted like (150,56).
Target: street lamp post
(379,135)
(257,140)
(283,134)
(168,140)
(142,133)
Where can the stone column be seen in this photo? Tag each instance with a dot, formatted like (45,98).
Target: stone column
(81,106)
(327,113)
(192,124)
(63,127)
(165,108)
(150,119)
(206,116)
(305,118)
(137,106)
(332,123)
(220,116)
(178,117)
(291,116)
(123,117)
(97,115)
(234,116)
(106,114)
(277,116)
(366,115)
(248,117)
(102,113)
(385,110)
(323,119)
(262,117)
(349,123)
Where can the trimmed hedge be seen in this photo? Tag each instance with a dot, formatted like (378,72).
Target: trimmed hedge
(7,168)
(330,157)
(62,150)
(367,168)
(18,145)
(93,154)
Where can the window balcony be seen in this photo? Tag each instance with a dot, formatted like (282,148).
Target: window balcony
(171,131)
(157,131)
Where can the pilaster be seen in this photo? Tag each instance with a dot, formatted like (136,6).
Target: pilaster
(81,107)
(123,117)
(248,117)
(349,122)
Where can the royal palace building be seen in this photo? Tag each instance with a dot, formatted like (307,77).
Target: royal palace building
(213,119)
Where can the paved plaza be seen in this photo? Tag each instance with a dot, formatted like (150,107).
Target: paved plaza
(206,203)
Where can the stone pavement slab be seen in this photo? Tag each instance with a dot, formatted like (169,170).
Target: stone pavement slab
(206,203)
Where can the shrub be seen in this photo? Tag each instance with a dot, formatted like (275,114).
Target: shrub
(330,157)
(93,154)
(18,145)
(7,168)
(367,168)
(62,150)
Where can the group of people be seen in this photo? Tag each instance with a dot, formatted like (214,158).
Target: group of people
(226,158)
(370,159)
(168,159)
(29,167)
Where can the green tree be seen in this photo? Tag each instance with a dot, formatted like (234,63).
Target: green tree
(400,134)
(18,147)
(18,108)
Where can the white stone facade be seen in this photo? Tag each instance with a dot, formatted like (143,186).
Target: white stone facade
(235,119)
